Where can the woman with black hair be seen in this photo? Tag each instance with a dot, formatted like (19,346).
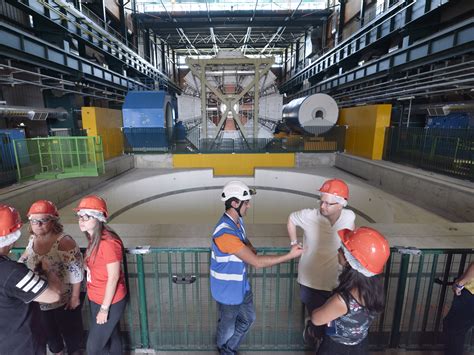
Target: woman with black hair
(358,297)
(106,288)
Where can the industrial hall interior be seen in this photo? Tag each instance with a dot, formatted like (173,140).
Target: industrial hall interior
(266,176)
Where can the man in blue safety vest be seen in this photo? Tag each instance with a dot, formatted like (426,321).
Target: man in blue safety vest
(231,253)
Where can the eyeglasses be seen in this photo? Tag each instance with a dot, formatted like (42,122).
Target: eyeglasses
(84,217)
(327,203)
(36,221)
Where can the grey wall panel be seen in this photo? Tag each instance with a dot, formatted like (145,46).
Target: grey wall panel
(10,39)
(73,63)
(466,35)
(419,52)
(33,48)
(442,44)
(56,57)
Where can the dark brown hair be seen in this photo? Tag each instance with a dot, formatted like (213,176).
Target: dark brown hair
(370,289)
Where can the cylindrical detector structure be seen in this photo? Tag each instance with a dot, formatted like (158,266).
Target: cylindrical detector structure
(314,110)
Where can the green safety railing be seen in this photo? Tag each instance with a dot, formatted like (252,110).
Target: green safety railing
(447,151)
(170,306)
(58,157)
(7,161)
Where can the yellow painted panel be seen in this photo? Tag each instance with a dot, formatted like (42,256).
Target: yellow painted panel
(106,123)
(234,164)
(366,133)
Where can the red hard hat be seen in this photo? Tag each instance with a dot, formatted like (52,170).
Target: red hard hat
(335,187)
(43,207)
(10,220)
(93,202)
(368,246)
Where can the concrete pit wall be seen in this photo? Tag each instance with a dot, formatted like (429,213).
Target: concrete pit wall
(448,197)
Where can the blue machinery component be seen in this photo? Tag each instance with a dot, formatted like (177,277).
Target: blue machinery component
(8,174)
(148,119)
(453,120)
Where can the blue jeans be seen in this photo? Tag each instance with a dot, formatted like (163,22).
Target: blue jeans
(234,323)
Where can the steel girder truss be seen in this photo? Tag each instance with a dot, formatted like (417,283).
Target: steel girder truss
(240,40)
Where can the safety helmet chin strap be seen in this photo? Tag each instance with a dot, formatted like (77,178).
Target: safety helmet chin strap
(239,208)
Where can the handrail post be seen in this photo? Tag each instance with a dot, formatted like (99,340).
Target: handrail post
(400,298)
(144,335)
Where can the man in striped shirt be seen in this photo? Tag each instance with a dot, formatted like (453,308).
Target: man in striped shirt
(20,329)
(230,255)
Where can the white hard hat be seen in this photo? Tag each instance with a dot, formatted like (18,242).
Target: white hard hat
(238,190)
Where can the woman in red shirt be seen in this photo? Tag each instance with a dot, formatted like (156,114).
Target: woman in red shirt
(106,288)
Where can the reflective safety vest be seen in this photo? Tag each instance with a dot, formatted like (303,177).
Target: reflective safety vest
(228,273)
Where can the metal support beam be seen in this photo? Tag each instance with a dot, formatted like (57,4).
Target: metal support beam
(362,13)
(256,101)
(123,21)
(163,58)
(203,98)
(340,26)
(146,43)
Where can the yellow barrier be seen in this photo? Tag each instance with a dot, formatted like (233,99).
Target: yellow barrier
(366,133)
(106,123)
(234,164)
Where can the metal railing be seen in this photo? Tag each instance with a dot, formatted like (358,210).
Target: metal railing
(58,157)
(442,150)
(171,308)
(8,173)
(163,140)
(91,15)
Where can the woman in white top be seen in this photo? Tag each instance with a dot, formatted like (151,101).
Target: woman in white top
(49,249)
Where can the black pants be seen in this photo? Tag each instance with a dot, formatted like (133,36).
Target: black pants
(63,326)
(457,323)
(330,347)
(105,338)
(312,300)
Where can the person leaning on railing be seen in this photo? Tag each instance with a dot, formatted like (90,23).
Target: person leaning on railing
(106,287)
(231,254)
(460,317)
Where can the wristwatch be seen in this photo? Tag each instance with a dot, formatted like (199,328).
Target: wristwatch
(459,286)
(104,309)
(293,242)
